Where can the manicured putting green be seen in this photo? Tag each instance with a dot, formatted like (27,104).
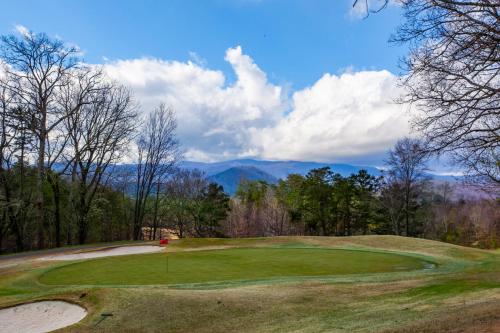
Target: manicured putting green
(226,265)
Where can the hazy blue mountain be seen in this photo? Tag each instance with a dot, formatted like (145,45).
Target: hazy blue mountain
(229,173)
(278,169)
(231,178)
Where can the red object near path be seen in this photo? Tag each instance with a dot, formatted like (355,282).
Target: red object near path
(163,241)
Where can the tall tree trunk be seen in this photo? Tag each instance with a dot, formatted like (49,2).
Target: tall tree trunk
(82,230)
(407,212)
(82,209)
(39,204)
(56,191)
(137,229)
(57,212)
(155,216)
(18,233)
(348,218)
(138,214)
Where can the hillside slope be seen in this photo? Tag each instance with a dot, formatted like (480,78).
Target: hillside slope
(231,178)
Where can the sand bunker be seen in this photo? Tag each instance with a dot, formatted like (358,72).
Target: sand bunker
(115,251)
(40,317)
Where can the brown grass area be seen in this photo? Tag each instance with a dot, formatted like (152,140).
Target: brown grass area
(475,318)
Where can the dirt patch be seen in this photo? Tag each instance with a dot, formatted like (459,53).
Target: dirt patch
(39,317)
(116,251)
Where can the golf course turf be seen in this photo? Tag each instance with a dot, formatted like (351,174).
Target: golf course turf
(385,284)
(226,265)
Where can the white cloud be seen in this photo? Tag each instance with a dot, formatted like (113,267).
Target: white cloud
(341,117)
(22,30)
(338,118)
(213,118)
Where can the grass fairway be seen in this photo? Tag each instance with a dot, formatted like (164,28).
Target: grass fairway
(226,265)
(284,284)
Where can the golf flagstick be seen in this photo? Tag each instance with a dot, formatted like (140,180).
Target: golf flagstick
(165,243)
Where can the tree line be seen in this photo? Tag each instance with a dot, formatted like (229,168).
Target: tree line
(63,127)
(403,201)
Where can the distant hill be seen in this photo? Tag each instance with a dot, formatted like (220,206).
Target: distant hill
(277,169)
(230,173)
(231,178)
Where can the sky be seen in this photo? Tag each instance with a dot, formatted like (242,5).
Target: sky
(307,80)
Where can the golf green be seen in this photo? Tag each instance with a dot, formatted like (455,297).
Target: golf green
(226,265)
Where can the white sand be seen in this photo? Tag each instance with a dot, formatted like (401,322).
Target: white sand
(115,251)
(40,317)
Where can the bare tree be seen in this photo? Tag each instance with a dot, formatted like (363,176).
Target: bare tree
(443,194)
(158,151)
(99,131)
(8,217)
(393,203)
(370,6)
(84,85)
(235,224)
(36,68)
(194,184)
(15,143)
(453,79)
(152,235)
(275,215)
(406,170)
(182,190)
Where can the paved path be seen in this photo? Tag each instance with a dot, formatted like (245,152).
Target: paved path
(9,260)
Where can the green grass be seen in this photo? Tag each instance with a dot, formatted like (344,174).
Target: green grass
(451,287)
(226,265)
(277,284)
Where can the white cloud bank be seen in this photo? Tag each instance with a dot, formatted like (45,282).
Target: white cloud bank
(21,29)
(338,118)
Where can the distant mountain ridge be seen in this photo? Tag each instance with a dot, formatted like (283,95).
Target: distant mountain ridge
(230,179)
(230,173)
(277,169)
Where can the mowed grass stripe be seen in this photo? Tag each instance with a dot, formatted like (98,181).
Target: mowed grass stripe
(226,265)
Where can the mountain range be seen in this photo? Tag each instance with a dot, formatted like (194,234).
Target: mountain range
(230,173)
(277,169)
(230,179)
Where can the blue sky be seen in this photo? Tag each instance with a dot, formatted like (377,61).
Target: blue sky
(293,41)
(269,79)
